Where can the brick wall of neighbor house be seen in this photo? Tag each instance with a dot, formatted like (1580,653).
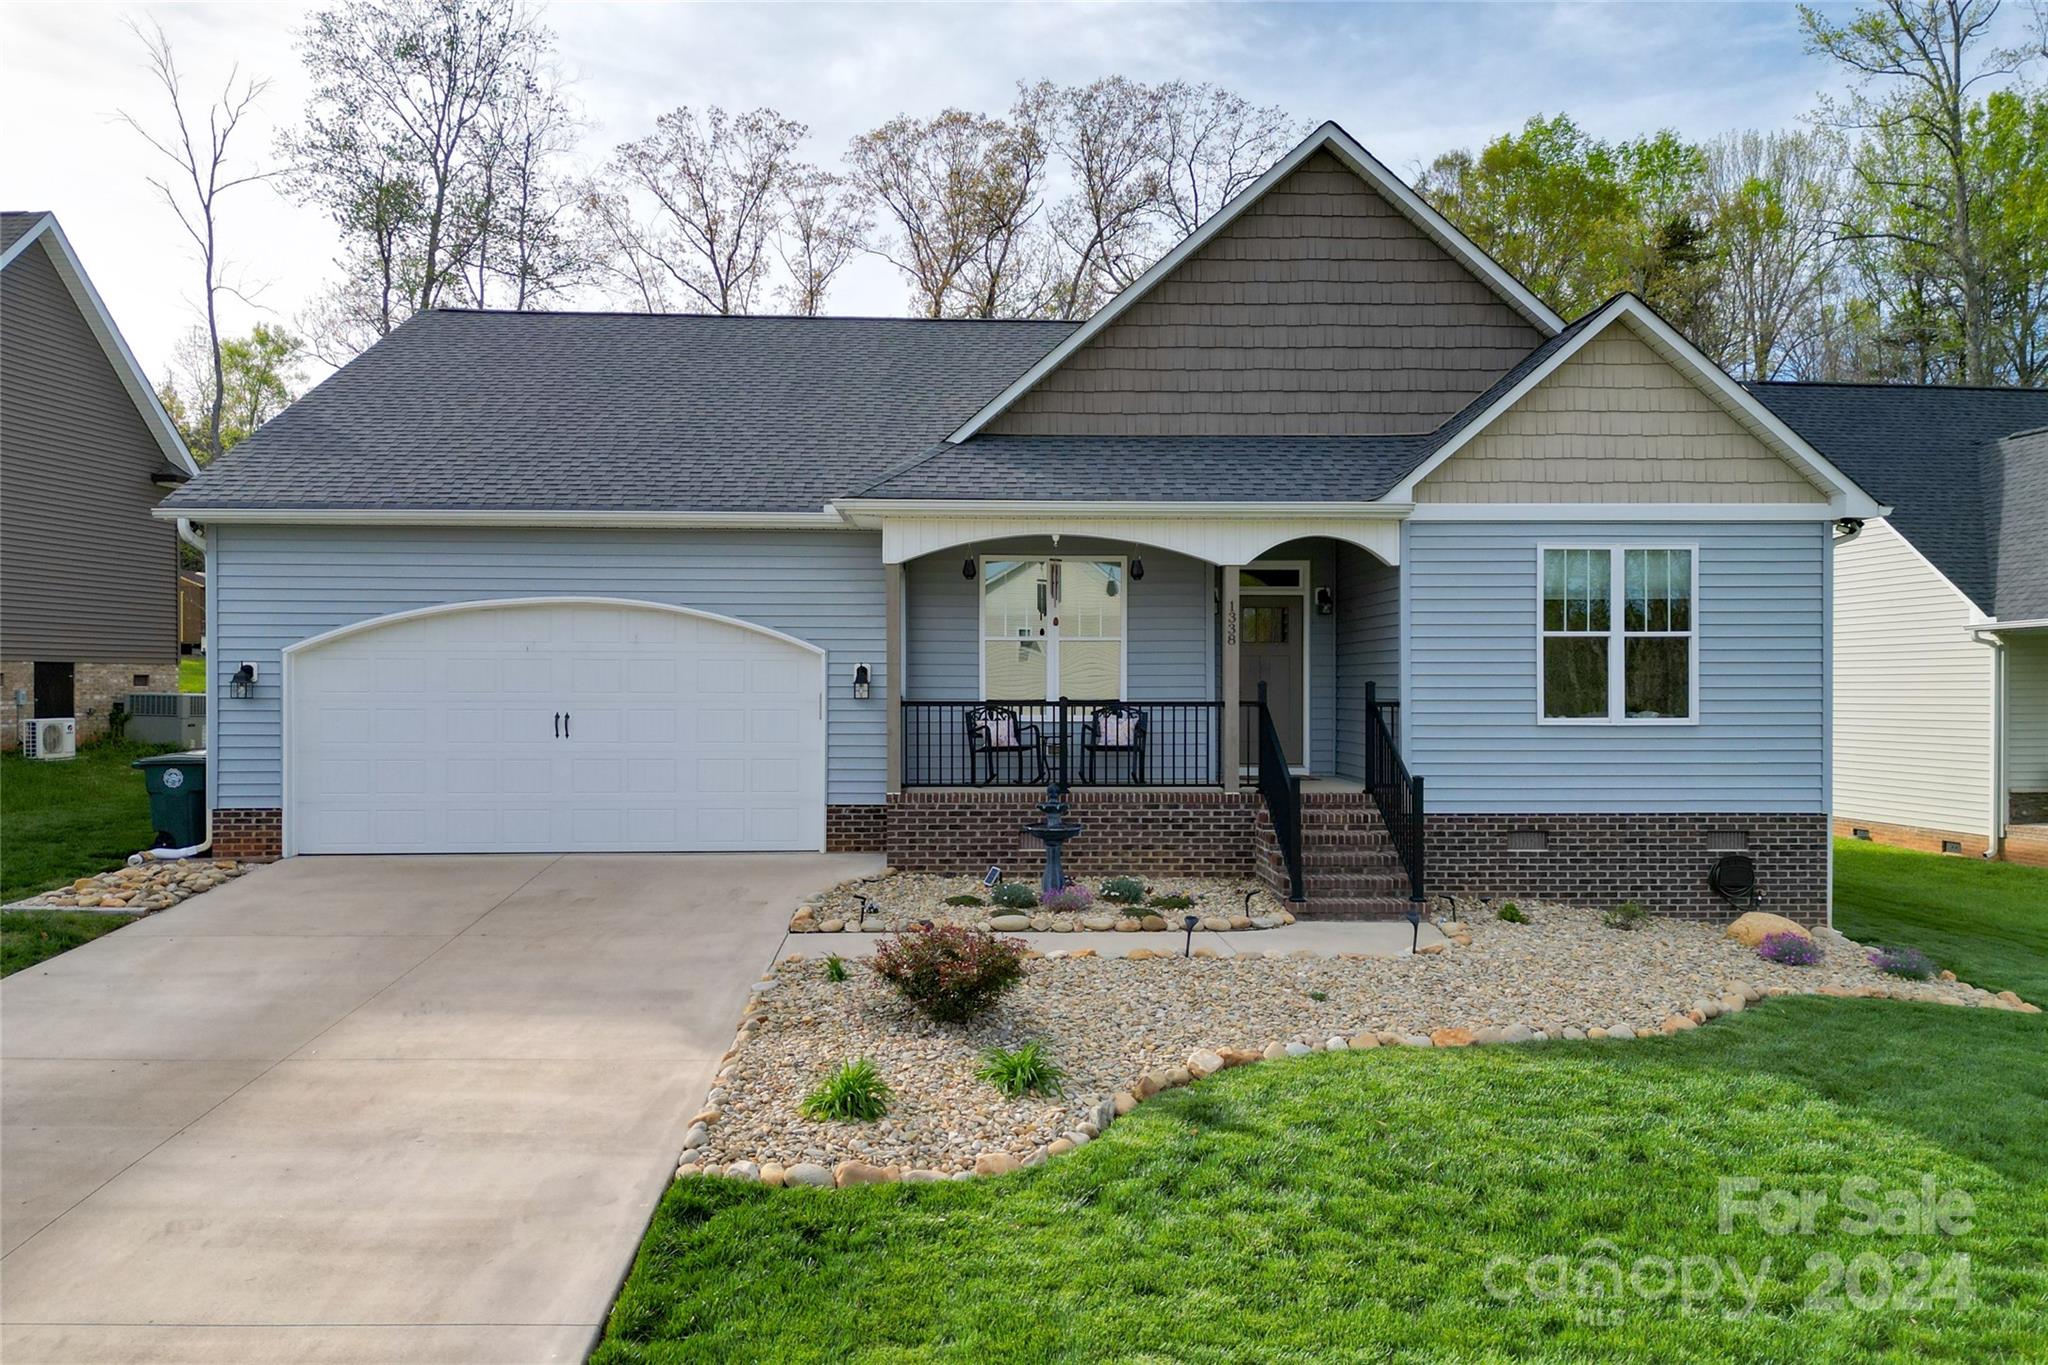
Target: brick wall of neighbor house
(1156,832)
(856,829)
(1660,860)
(252,835)
(95,688)
(1915,837)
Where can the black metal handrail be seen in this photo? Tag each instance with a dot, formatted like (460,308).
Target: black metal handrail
(1396,791)
(1030,742)
(1282,790)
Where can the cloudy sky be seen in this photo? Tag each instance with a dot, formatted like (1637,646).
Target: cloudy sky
(1408,80)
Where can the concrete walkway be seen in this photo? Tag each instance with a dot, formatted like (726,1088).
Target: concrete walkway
(368,1109)
(1326,938)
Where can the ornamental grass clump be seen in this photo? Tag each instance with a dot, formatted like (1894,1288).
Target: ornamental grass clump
(1627,915)
(1071,899)
(1789,950)
(949,971)
(1014,896)
(1173,900)
(1906,962)
(1029,1070)
(1123,890)
(855,1093)
(1511,914)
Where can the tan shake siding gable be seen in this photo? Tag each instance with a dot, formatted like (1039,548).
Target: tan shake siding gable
(86,574)
(1320,311)
(1617,423)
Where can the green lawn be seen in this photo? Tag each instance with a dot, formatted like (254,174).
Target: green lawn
(1988,922)
(1350,1207)
(192,673)
(64,820)
(29,936)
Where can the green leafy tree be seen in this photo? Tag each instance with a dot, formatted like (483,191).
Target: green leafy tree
(261,377)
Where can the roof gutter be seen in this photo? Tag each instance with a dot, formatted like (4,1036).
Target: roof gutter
(823,519)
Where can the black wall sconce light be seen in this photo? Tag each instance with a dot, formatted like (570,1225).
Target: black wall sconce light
(967,567)
(1137,570)
(243,684)
(1326,602)
(861,679)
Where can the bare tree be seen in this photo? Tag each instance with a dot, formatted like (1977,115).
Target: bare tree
(1932,54)
(716,187)
(1216,144)
(1775,203)
(202,178)
(824,226)
(1111,135)
(526,242)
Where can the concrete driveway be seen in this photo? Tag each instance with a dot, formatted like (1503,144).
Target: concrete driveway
(368,1109)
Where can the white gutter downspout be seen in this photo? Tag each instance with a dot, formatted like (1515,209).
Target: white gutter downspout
(1994,846)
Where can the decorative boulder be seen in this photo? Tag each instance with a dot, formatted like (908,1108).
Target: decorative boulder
(1756,926)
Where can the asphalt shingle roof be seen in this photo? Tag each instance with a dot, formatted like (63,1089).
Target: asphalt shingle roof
(608,411)
(1966,488)
(14,222)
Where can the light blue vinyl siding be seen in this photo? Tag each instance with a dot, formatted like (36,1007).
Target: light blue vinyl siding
(1368,647)
(273,586)
(1471,706)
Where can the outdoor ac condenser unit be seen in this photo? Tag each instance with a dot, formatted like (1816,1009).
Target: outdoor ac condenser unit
(168,718)
(50,737)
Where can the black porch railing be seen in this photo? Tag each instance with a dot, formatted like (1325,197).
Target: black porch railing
(1282,790)
(1077,743)
(1396,792)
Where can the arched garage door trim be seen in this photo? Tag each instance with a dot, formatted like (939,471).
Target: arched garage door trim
(313,643)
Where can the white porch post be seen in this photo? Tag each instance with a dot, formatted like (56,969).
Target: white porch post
(892,670)
(1232,718)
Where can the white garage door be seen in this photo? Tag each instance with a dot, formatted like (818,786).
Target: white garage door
(555,725)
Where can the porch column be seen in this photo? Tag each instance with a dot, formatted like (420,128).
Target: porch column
(1232,716)
(892,670)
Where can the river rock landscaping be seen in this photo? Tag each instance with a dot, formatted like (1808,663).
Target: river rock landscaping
(146,889)
(895,900)
(1123,1029)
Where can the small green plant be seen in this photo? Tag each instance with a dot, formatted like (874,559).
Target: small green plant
(855,1093)
(1319,996)
(1627,915)
(1014,896)
(1029,1070)
(1123,890)
(1511,913)
(1174,901)
(965,898)
(835,967)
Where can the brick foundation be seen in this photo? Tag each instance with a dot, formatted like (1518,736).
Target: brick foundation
(95,687)
(856,829)
(1918,838)
(1660,860)
(1147,831)
(255,836)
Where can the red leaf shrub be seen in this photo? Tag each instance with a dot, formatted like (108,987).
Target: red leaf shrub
(949,971)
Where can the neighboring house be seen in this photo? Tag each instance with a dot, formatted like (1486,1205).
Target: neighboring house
(192,613)
(88,577)
(1540,609)
(1941,614)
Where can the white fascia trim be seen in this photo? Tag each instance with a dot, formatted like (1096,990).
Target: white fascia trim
(1993,623)
(1347,150)
(1845,498)
(418,516)
(861,510)
(1647,512)
(94,310)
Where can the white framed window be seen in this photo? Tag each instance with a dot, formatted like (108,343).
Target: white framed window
(1617,635)
(1053,627)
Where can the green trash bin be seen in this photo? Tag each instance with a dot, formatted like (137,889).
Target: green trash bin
(177,797)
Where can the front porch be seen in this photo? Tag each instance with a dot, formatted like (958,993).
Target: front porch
(1203,716)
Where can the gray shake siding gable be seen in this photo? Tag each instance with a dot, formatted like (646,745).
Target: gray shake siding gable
(274,586)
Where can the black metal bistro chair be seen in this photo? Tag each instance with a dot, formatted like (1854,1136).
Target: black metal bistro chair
(1115,729)
(993,731)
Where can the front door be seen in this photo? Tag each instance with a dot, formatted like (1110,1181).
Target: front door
(1270,652)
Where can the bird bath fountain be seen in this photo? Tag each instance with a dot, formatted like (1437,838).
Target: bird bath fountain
(1053,830)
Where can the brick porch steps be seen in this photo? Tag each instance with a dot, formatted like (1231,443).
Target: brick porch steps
(1349,867)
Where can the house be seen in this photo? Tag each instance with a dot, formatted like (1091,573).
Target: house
(1941,614)
(88,577)
(1351,561)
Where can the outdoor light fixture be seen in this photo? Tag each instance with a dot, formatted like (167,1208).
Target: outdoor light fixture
(861,678)
(1137,569)
(1326,602)
(1248,903)
(1188,948)
(1414,931)
(243,684)
(866,905)
(967,567)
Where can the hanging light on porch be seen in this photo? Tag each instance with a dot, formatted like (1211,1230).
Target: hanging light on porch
(967,567)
